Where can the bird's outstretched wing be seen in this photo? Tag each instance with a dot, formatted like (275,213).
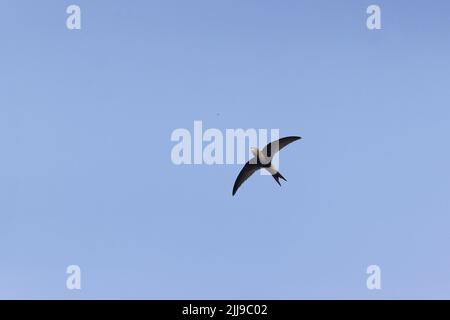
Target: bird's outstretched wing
(272,148)
(249,168)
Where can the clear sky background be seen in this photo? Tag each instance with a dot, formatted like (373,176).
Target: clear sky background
(86,176)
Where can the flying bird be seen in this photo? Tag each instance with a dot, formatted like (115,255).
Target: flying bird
(263,160)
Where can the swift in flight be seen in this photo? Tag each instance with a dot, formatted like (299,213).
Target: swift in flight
(263,160)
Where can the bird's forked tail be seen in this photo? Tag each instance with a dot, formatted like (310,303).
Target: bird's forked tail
(277,177)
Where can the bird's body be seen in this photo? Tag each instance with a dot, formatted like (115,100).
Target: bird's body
(260,157)
(263,160)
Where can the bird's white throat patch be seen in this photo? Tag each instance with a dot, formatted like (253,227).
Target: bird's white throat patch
(214,146)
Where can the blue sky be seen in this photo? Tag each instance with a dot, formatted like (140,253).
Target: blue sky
(86,176)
